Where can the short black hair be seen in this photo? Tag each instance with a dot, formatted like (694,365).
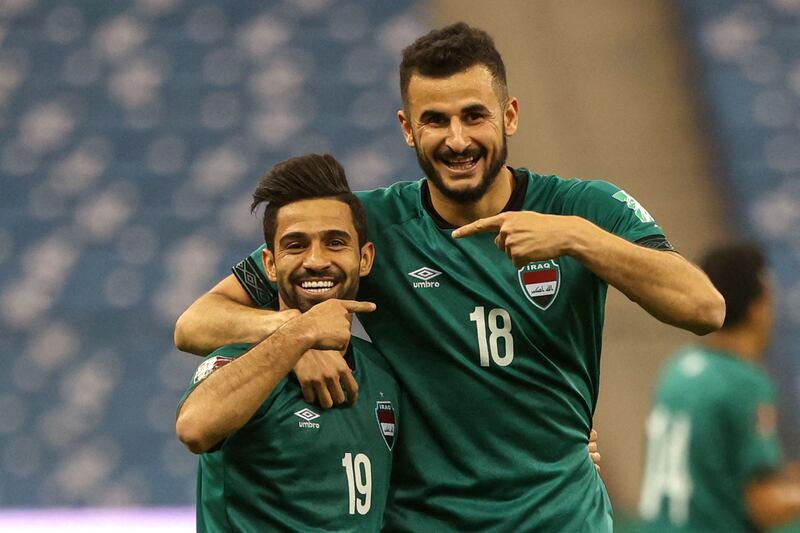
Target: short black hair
(450,50)
(306,177)
(738,272)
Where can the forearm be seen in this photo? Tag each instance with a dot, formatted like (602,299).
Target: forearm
(215,320)
(230,396)
(665,284)
(774,502)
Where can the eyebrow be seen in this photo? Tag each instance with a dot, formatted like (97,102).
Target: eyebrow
(338,234)
(328,234)
(474,108)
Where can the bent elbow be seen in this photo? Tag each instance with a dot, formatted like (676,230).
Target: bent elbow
(190,436)
(710,315)
(181,337)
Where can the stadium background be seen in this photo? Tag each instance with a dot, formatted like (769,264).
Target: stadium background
(132,133)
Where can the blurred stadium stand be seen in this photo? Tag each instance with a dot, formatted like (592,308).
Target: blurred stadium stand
(749,53)
(132,134)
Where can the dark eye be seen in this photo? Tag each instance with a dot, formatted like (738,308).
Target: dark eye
(295,245)
(336,243)
(474,117)
(435,120)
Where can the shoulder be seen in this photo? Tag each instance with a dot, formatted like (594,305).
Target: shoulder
(216,360)
(394,204)
(598,201)
(567,194)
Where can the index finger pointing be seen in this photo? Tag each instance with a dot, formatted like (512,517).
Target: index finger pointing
(359,307)
(479,226)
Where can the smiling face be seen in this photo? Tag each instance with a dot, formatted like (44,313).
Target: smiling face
(458,126)
(316,255)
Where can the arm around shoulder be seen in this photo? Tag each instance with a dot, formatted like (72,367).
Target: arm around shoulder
(225,315)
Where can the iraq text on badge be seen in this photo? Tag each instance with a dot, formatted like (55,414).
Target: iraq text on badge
(384,412)
(540,282)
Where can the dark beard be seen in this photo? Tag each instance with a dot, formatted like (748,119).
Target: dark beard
(293,300)
(467,196)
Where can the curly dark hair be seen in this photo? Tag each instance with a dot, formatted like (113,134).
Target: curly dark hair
(305,177)
(450,50)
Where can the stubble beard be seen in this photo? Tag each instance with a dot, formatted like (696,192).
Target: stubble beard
(293,299)
(471,195)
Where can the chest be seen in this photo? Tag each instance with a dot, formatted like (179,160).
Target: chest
(422,275)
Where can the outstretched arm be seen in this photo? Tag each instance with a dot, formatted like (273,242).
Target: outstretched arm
(229,397)
(774,501)
(665,284)
(226,315)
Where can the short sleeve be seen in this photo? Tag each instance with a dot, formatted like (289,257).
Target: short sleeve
(213,362)
(250,273)
(616,211)
(760,452)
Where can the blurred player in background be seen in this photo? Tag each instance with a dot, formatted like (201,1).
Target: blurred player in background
(713,457)
(268,461)
(499,358)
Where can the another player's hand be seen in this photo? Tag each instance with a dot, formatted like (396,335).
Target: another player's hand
(326,379)
(593,453)
(526,236)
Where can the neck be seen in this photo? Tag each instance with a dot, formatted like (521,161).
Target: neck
(739,342)
(490,204)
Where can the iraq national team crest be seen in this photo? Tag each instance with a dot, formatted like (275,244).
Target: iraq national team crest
(384,412)
(540,282)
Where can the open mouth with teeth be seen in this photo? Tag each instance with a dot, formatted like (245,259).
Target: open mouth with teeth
(318,286)
(462,164)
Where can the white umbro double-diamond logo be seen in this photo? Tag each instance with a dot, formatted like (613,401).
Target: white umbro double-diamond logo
(307,415)
(424,273)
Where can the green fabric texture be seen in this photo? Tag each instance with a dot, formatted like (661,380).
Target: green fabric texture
(295,467)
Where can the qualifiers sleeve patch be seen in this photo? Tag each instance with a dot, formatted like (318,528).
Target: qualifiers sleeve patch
(640,212)
(254,282)
(208,367)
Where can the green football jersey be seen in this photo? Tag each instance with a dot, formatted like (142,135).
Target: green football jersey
(499,366)
(294,467)
(711,431)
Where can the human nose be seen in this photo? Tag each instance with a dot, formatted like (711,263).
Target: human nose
(316,258)
(457,138)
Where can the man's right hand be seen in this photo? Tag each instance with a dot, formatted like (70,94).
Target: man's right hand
(322,371)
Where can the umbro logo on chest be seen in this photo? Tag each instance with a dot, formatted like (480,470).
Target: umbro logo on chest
(307,417)
(424,275)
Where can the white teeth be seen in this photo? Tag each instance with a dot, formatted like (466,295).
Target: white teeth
(461,163)
(317,284)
